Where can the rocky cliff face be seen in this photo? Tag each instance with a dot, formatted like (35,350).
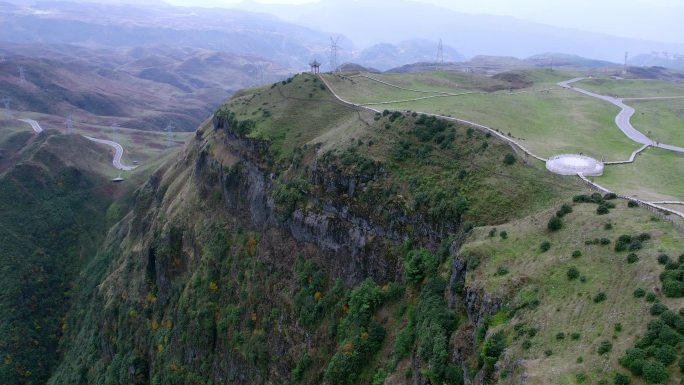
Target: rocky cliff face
(227,271)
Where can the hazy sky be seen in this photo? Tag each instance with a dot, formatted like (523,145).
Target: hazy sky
(659,20)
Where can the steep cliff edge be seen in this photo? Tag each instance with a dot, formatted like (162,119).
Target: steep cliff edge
(297,240)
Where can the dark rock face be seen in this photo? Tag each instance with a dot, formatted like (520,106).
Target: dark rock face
(352,244)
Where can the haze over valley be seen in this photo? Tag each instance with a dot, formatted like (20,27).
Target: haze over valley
(341,192)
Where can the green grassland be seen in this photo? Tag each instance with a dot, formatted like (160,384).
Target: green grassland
(9,127)
(655,175)
(296,113)
(300,116)
(627,88)
(661,120)
(567,306)
(555,122)
(548,123)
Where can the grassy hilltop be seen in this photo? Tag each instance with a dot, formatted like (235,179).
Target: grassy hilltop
(300,240)
(530,107)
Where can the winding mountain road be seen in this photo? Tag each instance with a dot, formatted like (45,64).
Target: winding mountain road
(117,154)
(36,127)
(623,119)
(118,149)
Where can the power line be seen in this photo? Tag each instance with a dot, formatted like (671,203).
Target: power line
(626,59)
(22,75)
(115,132)
(169,134)
(70,124)
(6,101)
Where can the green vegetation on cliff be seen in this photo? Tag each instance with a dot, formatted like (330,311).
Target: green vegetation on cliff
(299,240)
(52,223)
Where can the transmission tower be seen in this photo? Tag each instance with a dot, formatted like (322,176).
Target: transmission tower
(6,101)
(440,52)
(626,59)
(70,124)
(259,73)
(22,75)
(115,132)
(334,47)
(169,134)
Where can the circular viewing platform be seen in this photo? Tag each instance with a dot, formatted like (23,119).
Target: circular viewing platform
(571,164)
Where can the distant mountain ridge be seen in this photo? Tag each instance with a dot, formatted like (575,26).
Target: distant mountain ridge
(366,23)
(144,88)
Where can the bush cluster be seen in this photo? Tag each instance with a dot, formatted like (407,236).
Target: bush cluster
(632,258)
(420,263)
(604,347)
(630,242)
(597,241)
(672,277)
(359,335)
(657,349)
(430,324)
(602,201)
(430,128)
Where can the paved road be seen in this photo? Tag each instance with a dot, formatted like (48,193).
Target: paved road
(117,147)
(117,155)
(623,118)
(36,127)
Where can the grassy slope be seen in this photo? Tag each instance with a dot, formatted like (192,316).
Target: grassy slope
(661,120)
(536,118)
(292,108)
(296,114)
(566,306)
(632,88)
(655,175)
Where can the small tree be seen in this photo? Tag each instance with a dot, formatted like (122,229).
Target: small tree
(621,379)
(555,224)
(600,297)
(509,159)
(573,273)
(545,246)
(604,347)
